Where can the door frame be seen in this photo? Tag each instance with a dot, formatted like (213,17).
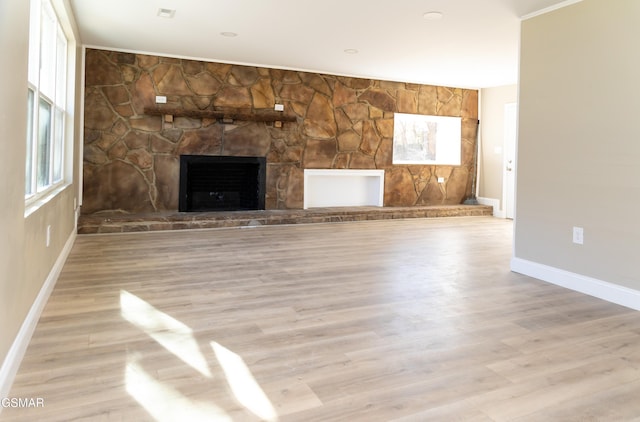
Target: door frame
(509,150)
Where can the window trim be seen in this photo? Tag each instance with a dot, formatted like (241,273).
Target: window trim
(36,196)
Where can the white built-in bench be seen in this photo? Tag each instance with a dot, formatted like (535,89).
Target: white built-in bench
(343,188)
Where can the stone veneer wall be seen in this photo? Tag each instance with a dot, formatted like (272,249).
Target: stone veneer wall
(131,160)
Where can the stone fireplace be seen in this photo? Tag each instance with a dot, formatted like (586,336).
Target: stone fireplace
(221,183)
(132,157)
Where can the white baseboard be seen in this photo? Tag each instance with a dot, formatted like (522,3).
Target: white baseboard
(14,357)
(591,286)
(495,203)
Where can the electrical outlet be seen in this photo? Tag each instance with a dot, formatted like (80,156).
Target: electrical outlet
(578,235)
(279,107)
(440,179)
(161,99)
(48,235)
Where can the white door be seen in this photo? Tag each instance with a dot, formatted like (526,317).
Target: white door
(509,177)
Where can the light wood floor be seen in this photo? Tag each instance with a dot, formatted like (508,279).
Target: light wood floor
(400,320)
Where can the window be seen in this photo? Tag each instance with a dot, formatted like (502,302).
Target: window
(46,100)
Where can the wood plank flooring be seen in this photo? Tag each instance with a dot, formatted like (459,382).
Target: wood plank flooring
(393,320)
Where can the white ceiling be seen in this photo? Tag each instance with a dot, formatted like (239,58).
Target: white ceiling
(474,45)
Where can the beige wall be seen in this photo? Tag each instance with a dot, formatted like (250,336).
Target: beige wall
(25,260)
(492,105)
(14,17)
(578,148)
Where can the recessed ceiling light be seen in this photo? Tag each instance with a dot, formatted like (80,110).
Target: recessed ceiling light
(229,34)
(351,51)
(432,16)
(166,13)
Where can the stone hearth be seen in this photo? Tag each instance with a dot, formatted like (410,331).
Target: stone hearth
(121,223)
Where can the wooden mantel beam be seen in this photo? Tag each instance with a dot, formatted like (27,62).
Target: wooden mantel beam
(227,115)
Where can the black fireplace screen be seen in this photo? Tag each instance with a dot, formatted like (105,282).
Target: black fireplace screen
(221,183)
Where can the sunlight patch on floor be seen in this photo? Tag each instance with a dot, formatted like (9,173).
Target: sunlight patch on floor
(165,404)
(243,384)
(175,336)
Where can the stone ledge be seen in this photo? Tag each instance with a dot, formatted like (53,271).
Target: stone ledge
(123,223)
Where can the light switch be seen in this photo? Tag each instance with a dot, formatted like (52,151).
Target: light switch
(578,235)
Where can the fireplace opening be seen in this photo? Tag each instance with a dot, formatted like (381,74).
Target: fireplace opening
(221,183)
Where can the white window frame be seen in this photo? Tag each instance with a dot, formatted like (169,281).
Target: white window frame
(46,180)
